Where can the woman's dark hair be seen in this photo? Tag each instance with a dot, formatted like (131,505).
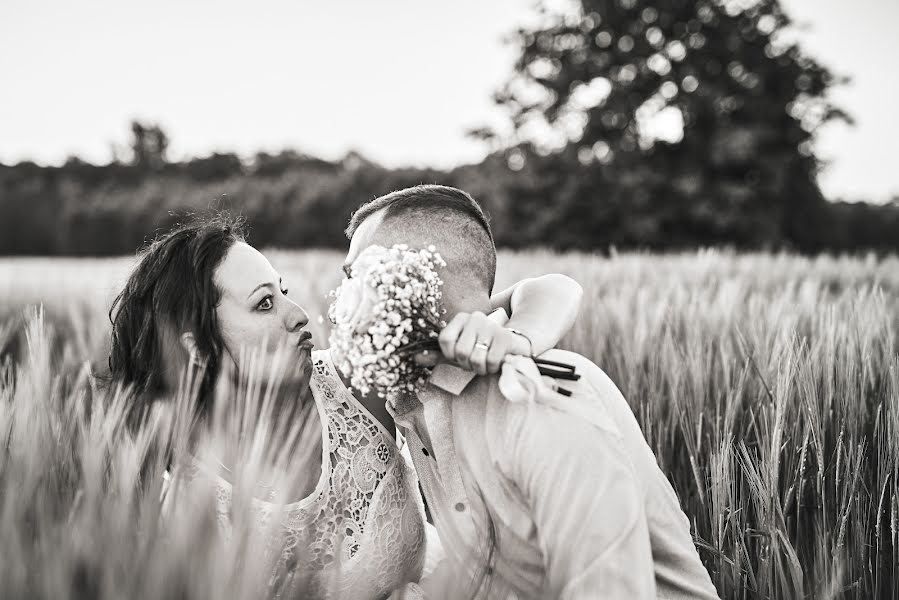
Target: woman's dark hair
(170,292)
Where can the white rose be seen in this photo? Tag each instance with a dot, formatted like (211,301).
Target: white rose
(355,304)
(356,300)
(368,259)
(347,299)
(364,314)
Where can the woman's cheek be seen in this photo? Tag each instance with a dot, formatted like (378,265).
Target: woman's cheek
(261,330)
(269,332)
(246,337)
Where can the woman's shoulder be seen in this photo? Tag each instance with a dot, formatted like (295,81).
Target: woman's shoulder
(320,359)
(326,385)
(324,369)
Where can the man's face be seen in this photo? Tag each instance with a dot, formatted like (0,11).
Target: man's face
(363,237)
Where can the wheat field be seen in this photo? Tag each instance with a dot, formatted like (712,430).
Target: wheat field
(767,385)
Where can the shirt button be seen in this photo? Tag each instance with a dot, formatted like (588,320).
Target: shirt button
(460,507)
(425,451)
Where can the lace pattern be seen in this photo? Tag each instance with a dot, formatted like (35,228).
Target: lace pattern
(362,534)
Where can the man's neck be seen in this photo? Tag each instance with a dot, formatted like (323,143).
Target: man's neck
(467,304)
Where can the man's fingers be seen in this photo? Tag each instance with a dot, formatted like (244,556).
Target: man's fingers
(465,347)
(479,356)
(495,356)
(450,335)
(478,330)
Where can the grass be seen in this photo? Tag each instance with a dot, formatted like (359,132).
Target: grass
(767,385)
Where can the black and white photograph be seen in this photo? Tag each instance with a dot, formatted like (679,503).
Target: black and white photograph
(472,300)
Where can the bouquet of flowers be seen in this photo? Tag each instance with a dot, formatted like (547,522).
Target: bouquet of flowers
(384,313)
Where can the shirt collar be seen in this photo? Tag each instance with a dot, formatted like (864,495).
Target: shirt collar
(453,379)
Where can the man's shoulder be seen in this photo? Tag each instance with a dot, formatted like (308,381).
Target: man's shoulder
(592,389)
(592,375)
(553,424)
(482,402)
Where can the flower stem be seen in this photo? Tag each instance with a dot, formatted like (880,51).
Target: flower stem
(421,346)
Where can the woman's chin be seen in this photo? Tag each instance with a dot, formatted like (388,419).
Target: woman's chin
(294,365)
(302,363)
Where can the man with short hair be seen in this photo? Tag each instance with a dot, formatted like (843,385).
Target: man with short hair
(537,489)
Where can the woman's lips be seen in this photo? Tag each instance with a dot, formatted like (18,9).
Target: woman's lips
(305,340)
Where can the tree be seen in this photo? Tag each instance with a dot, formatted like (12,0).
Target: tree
(215,167)
(149,144)
(672,122)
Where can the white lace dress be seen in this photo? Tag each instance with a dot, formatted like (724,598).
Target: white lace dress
(363,528)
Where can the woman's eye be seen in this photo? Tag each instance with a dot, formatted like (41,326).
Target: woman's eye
(284,291)
(265,303)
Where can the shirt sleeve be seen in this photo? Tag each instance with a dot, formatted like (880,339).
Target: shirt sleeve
(584,499)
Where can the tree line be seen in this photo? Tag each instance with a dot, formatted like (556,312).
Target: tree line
(296,201)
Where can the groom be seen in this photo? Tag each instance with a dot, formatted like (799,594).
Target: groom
(537,492)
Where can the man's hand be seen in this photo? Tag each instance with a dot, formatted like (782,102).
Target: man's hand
(475,343)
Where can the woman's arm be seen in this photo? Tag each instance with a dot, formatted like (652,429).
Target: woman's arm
(542,309)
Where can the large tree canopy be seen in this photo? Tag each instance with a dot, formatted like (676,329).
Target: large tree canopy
(660,123)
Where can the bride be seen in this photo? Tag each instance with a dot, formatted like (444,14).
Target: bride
(354,526)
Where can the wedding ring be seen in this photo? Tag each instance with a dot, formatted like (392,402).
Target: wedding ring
(482,346)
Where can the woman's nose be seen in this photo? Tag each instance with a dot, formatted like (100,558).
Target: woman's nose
(296,317)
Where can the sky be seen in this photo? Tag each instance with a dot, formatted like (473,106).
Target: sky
(398,80)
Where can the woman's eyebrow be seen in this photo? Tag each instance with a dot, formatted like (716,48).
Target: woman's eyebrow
(268,285)
(261,285)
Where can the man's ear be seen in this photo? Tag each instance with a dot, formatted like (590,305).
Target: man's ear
(190,345)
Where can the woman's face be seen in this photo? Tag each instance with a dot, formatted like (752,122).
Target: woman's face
(255,312)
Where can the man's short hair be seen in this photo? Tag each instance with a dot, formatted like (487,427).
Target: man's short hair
(441,205)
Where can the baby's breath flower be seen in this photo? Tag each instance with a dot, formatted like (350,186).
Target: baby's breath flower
(386,312)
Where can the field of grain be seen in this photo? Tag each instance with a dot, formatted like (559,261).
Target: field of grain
(767,385)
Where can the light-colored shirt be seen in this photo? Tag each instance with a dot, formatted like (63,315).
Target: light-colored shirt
(548,503)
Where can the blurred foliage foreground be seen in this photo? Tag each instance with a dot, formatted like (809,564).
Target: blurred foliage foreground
(767,385)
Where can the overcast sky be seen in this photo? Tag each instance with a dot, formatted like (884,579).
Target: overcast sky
(398,80)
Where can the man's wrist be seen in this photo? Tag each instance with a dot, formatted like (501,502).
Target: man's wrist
(528,339)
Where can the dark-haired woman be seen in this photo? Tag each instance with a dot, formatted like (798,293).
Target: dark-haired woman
(199,295)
